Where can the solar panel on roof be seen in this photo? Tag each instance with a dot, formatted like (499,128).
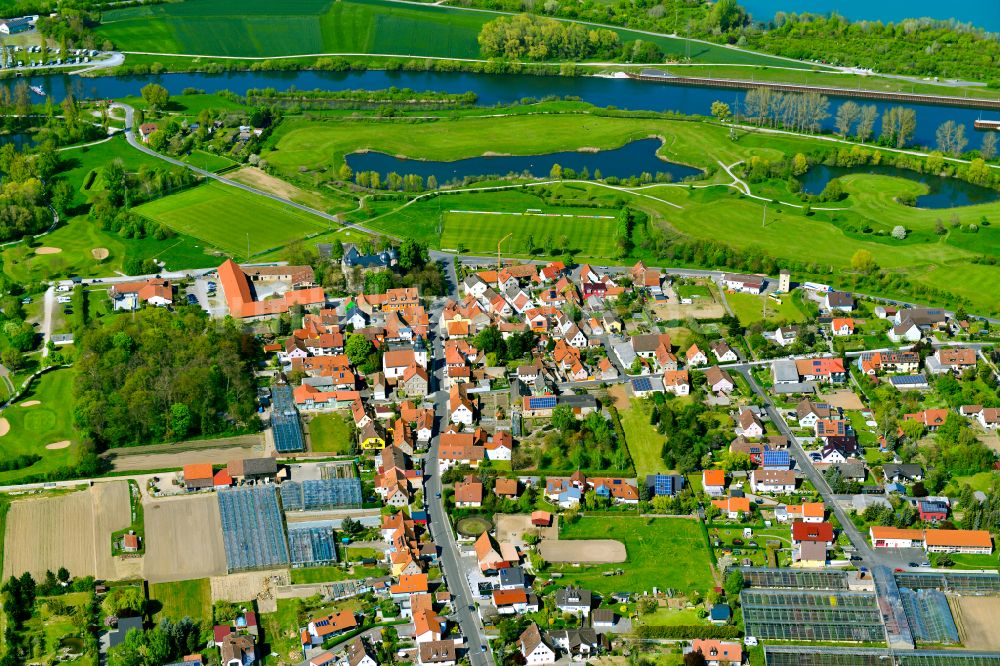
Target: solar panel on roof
(776,458)
(664,484)
(642,384)
(542,402)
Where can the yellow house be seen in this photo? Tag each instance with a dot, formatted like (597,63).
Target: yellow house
(372,437)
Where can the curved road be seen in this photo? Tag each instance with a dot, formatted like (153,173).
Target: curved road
(139,145)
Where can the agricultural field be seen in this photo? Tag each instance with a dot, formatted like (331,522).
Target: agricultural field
(77,534)
(589,233)
(224,217)
(644,443)
(41,424)
(305,575)
(181,520)
(330,433)
(258,28)
(650,543)
(185,598)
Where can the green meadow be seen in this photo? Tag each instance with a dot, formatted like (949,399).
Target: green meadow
(229,218)
(256,28)
(35,427)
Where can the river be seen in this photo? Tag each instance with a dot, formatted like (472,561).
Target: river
(491,89)
(983,14)
(942,192)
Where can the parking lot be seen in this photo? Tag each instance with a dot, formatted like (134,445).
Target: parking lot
(210,297)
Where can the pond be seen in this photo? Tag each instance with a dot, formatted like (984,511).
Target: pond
(943,192)
(73,644)
(632,159)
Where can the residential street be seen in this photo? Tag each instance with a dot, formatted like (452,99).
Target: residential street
(451,565)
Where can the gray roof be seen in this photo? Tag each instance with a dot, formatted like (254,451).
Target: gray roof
(908,471)
(256,466)
(125,625)
(512,576)
(574,597)
(785,371)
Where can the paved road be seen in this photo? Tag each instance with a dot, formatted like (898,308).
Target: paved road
(139,145)
(47,307)
(871,557)
(441,532)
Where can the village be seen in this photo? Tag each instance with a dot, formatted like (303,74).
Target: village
(496,472)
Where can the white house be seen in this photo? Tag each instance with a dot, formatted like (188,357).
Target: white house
(905,332)
(772,481)
(533,648)
(695,356)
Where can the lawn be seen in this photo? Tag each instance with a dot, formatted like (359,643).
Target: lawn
(323,144)
(229,218)
(260,28)
(34,428)
(644,443)
(208,161)
(76,164)
(330,433)
(46,629)
(969,561)
(78,236)
(750,308)
(186,598)
(662,553)
(302,575)
(479,233)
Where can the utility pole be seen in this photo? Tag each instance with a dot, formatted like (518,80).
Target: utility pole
(763,220)
(248,247)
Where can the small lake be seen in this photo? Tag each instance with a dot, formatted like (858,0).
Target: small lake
(943,192)
(632,159)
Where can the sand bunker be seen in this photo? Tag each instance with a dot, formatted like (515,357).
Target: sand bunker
(58,445)
(31,403)
(48,250)
(4,427)
(100,253)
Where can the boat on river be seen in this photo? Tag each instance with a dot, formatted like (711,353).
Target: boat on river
(38,91)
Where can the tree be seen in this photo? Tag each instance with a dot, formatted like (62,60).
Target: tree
(950,137)
(124,601)
(863,262)
(848,113)
(12,359)
(733,584)
(799,164)
(866,121)
(555,173)
(563,418)
(345,172)
(180,420)
(721,110)
(736,460)
(988,149)
(358,349)
(412,254)
(899,232)
(726,15)
(63,575)
(155,96)
(694,659)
